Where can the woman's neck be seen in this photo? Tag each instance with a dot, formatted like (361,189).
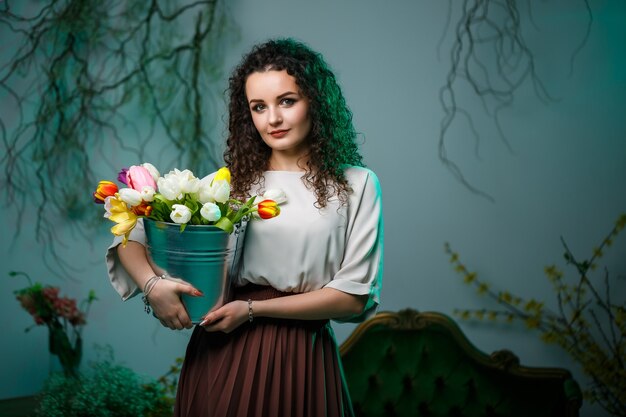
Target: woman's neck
(281,162)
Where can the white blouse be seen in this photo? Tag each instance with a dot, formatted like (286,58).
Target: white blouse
(304,248)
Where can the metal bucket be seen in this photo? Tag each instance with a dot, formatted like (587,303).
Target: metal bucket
(205,256)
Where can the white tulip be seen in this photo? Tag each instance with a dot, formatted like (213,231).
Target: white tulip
(108,205)
(205,194)
(220,190)
(180,214)
(276,194)
(147,193)
(192,185)
(130,196)
(211,212)
(152,170)
(187,181)
(169,188)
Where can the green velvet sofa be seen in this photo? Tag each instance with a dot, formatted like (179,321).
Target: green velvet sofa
(421,364)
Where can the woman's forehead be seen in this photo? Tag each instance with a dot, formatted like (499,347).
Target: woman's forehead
(270,84)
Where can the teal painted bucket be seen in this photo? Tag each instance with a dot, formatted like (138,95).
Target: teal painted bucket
(205,256)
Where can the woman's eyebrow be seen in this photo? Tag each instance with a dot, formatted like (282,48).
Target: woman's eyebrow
(288,93)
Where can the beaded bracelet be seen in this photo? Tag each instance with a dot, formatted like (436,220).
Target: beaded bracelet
(250,315)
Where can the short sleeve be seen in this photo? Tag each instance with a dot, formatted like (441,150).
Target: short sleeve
(361,268)
(120,279)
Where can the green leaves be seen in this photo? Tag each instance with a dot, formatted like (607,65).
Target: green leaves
(225,224)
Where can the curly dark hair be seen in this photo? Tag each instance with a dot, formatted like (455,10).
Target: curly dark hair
(332,136)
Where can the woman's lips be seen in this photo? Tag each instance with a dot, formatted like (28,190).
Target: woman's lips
(279,133)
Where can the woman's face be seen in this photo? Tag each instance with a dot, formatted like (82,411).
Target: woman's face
(279,112)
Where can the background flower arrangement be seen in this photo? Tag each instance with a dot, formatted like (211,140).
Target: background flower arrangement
(589,322)
(62,317)
(179,197)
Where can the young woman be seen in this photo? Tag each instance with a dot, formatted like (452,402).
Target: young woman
(271,350)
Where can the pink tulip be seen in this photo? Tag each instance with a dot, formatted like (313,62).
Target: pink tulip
(138,177)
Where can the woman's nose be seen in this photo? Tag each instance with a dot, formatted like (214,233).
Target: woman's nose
(275,117)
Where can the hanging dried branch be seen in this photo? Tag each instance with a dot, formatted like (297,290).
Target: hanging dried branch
(490,55)
(83,74)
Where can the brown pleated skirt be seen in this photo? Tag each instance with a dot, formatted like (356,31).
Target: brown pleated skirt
(271,367)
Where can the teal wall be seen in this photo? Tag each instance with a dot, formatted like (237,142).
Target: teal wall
(563,177)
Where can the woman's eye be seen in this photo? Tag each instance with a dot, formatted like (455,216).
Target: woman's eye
(258,107)
(287,101)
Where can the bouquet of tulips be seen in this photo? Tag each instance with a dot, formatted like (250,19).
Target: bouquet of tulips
(178,197)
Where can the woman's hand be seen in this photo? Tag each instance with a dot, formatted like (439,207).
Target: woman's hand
(167,305)
(164,297)
(226,318)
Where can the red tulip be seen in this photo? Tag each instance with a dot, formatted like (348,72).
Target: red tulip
(268,209)
(105,189)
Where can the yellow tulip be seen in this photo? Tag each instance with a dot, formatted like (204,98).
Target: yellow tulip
(114,204)
(222,174)
(118,212)
(123,228)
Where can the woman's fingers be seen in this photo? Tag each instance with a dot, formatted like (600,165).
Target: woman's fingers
(177,323)
(189,290)
(212,317)
(226,318)
(167,305)
(186,287)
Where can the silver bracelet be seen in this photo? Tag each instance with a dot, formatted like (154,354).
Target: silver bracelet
(250,315)
(148,288)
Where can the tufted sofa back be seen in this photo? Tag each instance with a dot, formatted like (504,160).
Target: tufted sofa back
(421,364)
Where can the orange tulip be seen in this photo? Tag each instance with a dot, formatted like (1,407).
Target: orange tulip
(105,189)
(143,209)
(268,209)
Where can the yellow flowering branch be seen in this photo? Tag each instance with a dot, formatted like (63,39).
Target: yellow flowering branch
(588,323)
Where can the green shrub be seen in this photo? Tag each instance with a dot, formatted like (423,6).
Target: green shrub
(106,390)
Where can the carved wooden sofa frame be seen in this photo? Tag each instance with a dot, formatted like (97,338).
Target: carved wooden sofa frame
(421,364)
